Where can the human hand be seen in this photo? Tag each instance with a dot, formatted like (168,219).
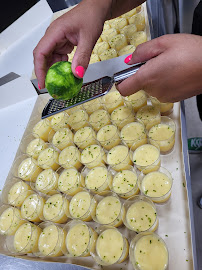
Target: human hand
(79,27)
(173,70)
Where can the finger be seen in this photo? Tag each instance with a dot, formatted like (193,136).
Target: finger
(147,77)
(146,51)
(132,84)
(43,53)
(40,68)
(64,57)
(82,57)
(56,58)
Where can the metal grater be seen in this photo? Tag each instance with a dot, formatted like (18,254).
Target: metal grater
(89,91)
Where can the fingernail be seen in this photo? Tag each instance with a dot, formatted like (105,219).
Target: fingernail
(80,71)
(39,86)
(128,58)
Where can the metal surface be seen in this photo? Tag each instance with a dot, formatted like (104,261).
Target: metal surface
(124,74)
(9,77)
(89,91)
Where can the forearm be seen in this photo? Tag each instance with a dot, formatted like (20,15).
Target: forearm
(113,8)
(119,7)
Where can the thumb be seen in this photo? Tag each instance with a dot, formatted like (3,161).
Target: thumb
(82,57)
(144,53)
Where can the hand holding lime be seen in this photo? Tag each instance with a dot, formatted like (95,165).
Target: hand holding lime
(61,82)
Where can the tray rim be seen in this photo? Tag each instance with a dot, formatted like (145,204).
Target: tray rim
(185,155)
(183,134)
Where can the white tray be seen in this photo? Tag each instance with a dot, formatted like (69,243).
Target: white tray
(174,220)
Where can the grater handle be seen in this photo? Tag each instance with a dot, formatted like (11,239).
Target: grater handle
(124,74)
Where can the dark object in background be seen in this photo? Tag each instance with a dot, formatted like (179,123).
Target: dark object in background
(11,10)
(197,30)
(72,2)
(57,5)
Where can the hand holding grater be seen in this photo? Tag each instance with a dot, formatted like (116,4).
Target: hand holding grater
(89,91)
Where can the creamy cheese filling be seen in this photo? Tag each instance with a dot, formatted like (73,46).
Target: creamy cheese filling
(163,135)
(108,34)
(28,169)
(35,147)
(80,204)
(137,100)
(85,137)
(108,210)
(110,246)
(78,240)
(26,238)
(60,120)
(108,136)
(32,208)
(108,54)
(46,181)
(138,38)
(151,253)
(146,155)
(139,20)
(42,129)
(118,42)
(69,157)
(141,216)
(118,23)
(10,220)
(133,132)
(128,31)
(149,116)
(69,181)
(122,116)
(99,118)
(93,156)
(124,181)
(48,158)
(164,107)
(98,179)
(78,119)
(95,104)
(126,50)
(18,193)
(56,209)
(62,138)
(118,157)
(112,100)
(156,184)
(51,241)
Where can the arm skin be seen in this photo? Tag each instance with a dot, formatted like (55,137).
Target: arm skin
(79,27)
(174,62)
(119,7)
(173,70)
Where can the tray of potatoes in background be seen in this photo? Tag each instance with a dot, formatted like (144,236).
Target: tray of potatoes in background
(100,185)
(121,35)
